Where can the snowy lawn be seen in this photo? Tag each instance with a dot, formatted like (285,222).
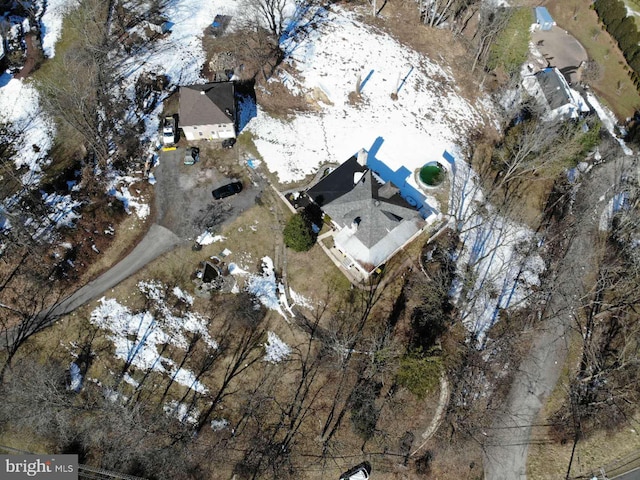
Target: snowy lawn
(139,336)
(428,117)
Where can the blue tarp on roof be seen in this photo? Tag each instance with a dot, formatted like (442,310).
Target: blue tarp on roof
(544,18)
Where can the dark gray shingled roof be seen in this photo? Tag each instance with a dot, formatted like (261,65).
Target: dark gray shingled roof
(553,87)
(337,183)
(362,205)
(207,104)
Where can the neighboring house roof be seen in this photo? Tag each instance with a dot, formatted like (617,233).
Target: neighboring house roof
(207,104)
(554,87)
(551,89)
(376,220)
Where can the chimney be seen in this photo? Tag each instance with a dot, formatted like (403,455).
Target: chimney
(362,157)
(388,190)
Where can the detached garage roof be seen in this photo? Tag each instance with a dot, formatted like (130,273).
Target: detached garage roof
(543,17)
(207,104)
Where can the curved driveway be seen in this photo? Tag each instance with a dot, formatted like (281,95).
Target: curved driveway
(505,453)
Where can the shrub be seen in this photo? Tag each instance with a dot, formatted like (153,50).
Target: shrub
(419,374)
(364,414)
(298,234)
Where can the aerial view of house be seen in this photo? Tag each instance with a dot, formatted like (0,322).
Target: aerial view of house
(207,111)
(371,219)
(272,239)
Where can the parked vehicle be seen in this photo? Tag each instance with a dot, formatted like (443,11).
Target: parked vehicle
(359,472)
(192,155)
(169,130)
(227,190)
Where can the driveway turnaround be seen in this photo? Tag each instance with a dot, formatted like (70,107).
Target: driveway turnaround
(561,50)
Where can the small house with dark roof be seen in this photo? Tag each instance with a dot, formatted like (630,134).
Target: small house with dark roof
(207,111)
(552,91)
(371,219)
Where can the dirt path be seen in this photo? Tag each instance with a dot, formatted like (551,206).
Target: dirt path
(507,442)
(34,52)
(436,421)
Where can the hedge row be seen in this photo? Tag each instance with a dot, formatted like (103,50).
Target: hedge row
(622,27)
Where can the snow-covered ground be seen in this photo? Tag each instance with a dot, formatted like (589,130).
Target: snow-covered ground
(501,255)
(428,117)
(51,23)
(138,336)
(619,202)
(609,120)
(275,349)
(30,130)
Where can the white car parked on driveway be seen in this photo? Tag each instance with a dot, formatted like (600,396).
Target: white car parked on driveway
(169,130)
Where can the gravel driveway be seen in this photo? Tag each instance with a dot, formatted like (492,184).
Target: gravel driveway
(561,50)
(184,203)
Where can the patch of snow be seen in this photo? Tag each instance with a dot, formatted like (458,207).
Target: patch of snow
(207,238)
(138,335)
(130,380)
(219,424)
(632,12)
(609,120)
(31,130)
(120,188)
(182,412)
(299,299)
(236,270)
(182,295)
(51,23)
(275,349)
(75,377)
(617,203)
(264,287)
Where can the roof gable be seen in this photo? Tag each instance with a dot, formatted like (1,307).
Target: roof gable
(337,183)
(207,104)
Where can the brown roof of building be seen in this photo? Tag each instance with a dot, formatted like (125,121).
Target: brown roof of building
(207,104)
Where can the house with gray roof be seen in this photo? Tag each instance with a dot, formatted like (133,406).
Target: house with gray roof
(371,219)
(553,93)
(207,111)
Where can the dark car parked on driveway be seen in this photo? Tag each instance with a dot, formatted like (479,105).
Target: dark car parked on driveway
(227,190)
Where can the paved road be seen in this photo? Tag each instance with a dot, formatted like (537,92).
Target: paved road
(507,443)
(632,475)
